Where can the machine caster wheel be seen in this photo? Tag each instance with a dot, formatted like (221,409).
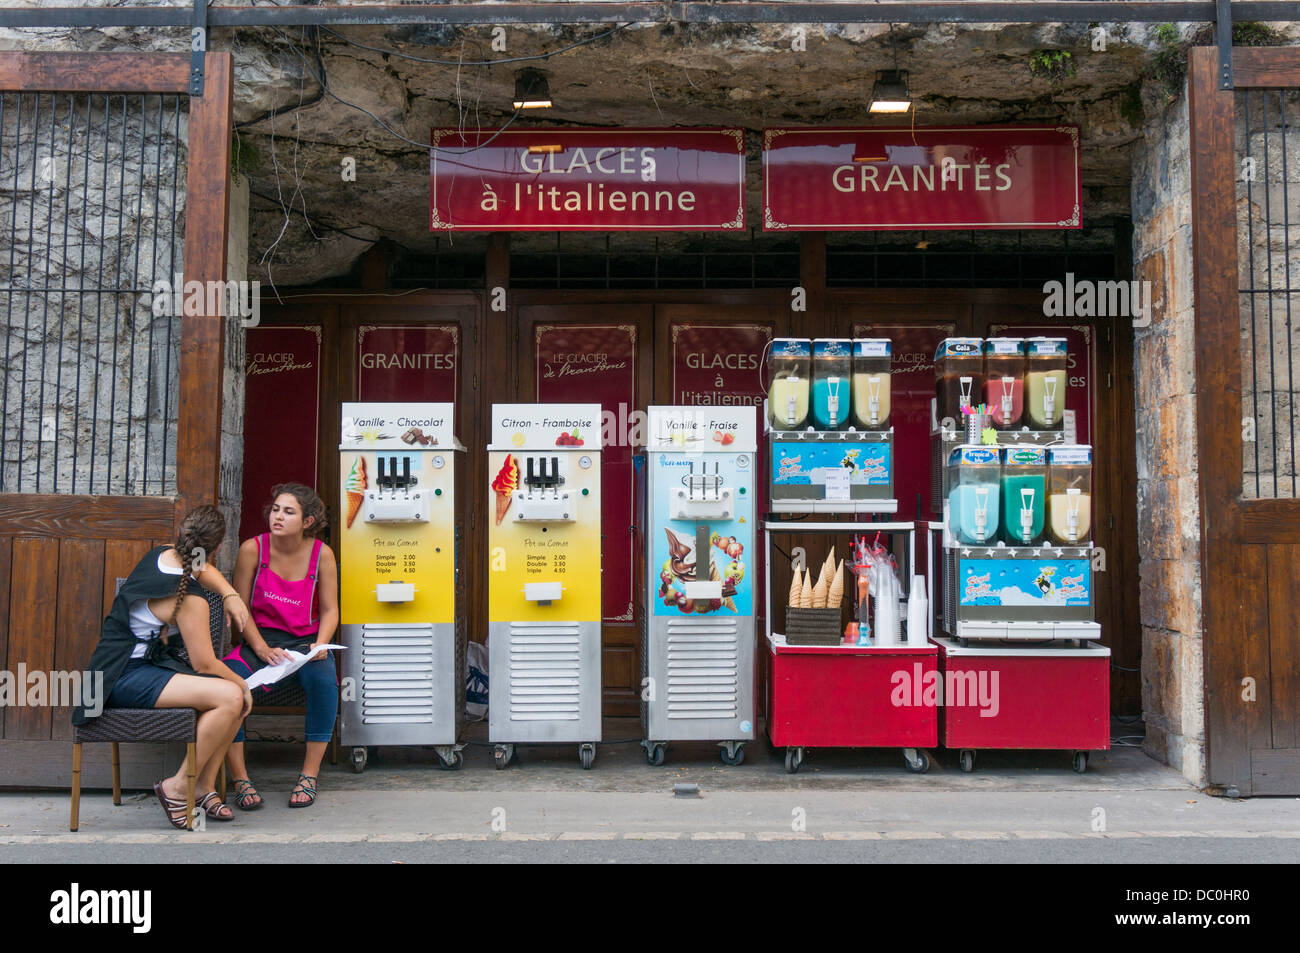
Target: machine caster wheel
(587,755)
(359,758)
(917,760)
(733,754)
(1080,762)
(967,760)
(502,755)
(654,753)
(454,763)
(793,760)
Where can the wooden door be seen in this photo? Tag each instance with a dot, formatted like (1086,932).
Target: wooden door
(1245,345)
(714,353)
(1099,391)
(616,347)
(74,519)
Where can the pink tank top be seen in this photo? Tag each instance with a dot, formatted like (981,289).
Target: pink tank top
(280,604)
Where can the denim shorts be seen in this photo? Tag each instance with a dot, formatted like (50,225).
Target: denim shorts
(139,685)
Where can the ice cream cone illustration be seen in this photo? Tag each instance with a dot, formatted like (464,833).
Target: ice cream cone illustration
(504,486)
(355,486)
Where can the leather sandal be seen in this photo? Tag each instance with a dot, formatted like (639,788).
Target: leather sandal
(175,807)
(245,793)
(307,783)
(214,807)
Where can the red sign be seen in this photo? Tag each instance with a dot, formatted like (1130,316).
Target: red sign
(719,363)
(588,363)
(588,180)
(414,362)
(914,178)
(281,371)
(1080,366)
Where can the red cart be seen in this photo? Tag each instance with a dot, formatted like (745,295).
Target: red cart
(849,696)
(1051,698)
(843,696)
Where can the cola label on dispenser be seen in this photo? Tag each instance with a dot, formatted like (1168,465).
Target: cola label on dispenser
(958,346)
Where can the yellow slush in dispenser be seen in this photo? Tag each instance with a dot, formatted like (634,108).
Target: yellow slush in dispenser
(544,578)
(401,592)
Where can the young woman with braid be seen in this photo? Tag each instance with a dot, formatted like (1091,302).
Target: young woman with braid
(141,658)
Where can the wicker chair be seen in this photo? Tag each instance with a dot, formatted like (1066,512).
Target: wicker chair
(118,725)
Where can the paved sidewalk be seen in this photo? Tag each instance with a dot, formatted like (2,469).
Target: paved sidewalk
(839,796)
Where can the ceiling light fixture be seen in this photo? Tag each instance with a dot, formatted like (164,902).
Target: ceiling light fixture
(532,91)
(890,93)
(546,150)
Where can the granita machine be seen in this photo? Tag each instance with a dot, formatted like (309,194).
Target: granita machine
(828,409)
(1016,555)
(402,585)
(696,489)
(544,578)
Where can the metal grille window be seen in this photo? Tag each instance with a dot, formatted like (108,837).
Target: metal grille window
(1268,212)
(91,200)
(670,260)
(969,259)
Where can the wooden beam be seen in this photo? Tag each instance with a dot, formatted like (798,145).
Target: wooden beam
(812,278)
(87,517)
(95,72)
(1266,67)
(198,429)
(1218,420)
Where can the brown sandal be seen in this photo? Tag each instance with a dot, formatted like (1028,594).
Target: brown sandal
(213,806)
(175,808)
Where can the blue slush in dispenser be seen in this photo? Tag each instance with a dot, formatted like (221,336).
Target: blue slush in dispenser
(832,383)
(974,478)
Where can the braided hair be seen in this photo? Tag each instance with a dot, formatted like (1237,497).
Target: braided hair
(202,529)
(309,502)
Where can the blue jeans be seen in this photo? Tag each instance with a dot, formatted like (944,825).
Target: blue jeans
(318,683)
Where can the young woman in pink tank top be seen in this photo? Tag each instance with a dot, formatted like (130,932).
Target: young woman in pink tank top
(289,580)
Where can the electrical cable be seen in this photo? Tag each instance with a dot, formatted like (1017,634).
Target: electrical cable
(324,225)
(387,128)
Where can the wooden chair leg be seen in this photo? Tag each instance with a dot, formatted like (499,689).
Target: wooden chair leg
(117,775)
(75,820)
(190,771)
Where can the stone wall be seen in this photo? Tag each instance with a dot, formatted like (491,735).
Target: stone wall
(1268,260)
(1168,516)
(92,200)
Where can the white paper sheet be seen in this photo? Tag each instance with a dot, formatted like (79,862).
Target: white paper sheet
(273,673)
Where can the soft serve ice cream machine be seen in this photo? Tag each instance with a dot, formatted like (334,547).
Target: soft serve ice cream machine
(698,609)
(544,578)
(402,594)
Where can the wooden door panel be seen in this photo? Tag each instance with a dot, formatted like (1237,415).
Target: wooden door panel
(549,336)
(81,576)
(1284,646)
(33,617)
